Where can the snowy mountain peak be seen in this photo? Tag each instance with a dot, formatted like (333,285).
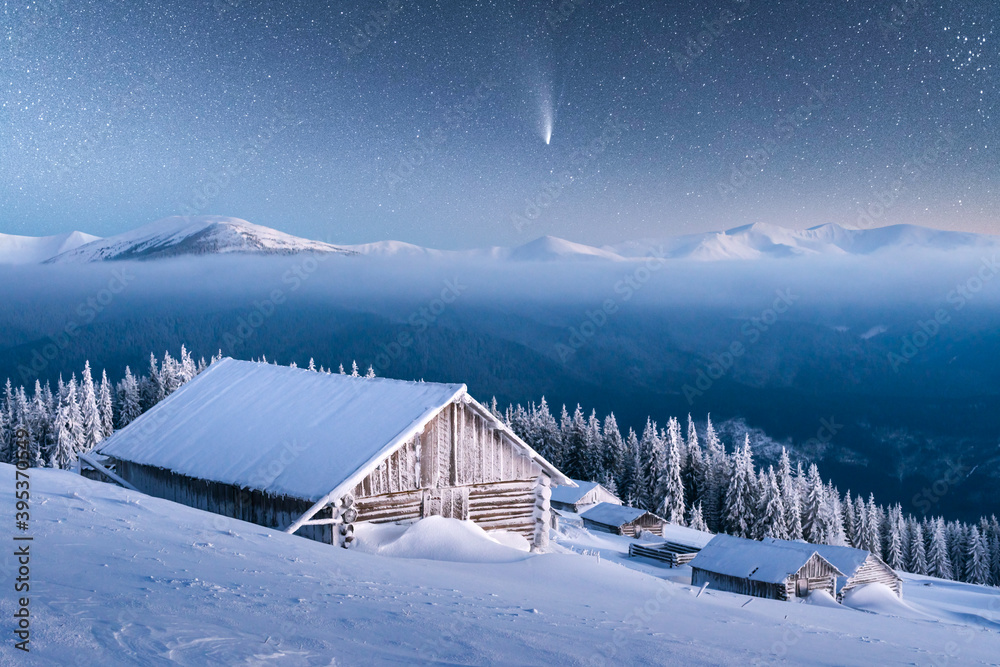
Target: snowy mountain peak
(194,235)
(36,249)
(547,248)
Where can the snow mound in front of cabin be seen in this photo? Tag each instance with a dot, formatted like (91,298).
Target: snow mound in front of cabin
(438,538)
(821,599)
(878,598)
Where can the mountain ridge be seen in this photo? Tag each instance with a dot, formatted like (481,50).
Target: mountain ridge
(219,235)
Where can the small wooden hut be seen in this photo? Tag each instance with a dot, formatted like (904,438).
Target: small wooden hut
(860,567)
(581,496)
(621,520)
(774,571)
(314,453)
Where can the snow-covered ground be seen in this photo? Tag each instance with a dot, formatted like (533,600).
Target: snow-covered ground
(122,578)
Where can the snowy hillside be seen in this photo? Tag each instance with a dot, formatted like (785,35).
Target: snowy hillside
(766,240)
(204,235)
(194,235)
(36,249)
(123,578)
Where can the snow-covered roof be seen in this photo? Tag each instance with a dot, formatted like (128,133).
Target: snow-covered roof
(749,559)
(610,514)
(845,559)
(286,431)
(572,494)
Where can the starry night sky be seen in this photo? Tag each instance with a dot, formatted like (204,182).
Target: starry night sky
(426,121)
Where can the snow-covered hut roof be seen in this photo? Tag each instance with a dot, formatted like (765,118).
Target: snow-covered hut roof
(749,559)
(610,514)
(572,494)
(846,559)
(285,431)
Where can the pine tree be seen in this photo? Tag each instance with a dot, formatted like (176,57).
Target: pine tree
(593,467)
(129,399)
(651,459)
(312,365)
(354,369)
(716,477)
(917,563)
(90,416)
(154,391)
(850,520)
(871,536)
(612,449)
(894,540)
(575,445)
(549,440)
(370,373)
(741,497)
(7,447)
(833,520)
(105,407)
(697,521)
(812,522)
(41,425)
(977,565)
(954,536)
(22,423)
(671,486)
(631,484)
(770,509)
(69,436)
(938,562)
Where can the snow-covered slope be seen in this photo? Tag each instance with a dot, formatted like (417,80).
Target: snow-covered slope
(194,235)
(123,579)
(37,249)
(550,248)
(766,240)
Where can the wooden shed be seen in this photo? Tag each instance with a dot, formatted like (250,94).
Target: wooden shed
(621,520)
(314,453)
(860,567)
(581,496)
(775,571)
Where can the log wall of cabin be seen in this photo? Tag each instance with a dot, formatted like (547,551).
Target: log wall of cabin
(740,585)
(459,467)
(819,574)
(244,504)
(873,571)
(645,522)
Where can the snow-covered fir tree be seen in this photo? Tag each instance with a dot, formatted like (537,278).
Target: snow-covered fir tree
(740,505)
(938,562)
(671,486)
(770,508)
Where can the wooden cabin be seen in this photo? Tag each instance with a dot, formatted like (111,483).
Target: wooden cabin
(621,520)
(580,497)
(314,453)
(860,567)
(678,545)
(774,571)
